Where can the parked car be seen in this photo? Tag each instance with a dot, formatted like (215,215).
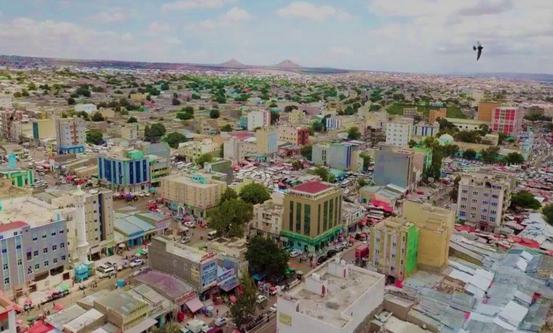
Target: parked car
(220,321)
(295,253)
(331,253)
(273,308)
(136,263)
(261,299)
(321,259)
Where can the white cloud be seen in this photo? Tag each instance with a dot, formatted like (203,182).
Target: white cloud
(158,28)
(234,15)
(309,11)
(194,4)
(111,16)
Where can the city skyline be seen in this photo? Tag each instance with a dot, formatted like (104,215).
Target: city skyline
(404,36)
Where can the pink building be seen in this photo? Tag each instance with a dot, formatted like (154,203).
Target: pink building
(506,120)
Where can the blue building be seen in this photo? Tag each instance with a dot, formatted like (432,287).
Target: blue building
(337,155)
(126,172)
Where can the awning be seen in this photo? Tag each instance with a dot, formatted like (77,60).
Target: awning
(142,326)
(194,304)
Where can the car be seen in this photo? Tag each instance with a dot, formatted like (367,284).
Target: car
(136,263)
(295,253)
(273,308)
(190,224)
(119,267)
(261,299)
(321,259)
(220,321)
(331,253)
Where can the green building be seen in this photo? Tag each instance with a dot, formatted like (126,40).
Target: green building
(19,177)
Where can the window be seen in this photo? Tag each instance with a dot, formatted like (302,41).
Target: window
(35,237)
(35,253)
(306,219)
(62,257)
(298,217)
(54,247)
(4,250)
(19,262)
(18,246)
(29,255)
(44,235)
(5,266)
(7,281)
(45,250)
(62,245)
(291,217)
(37,266)
(55,260)
(53,233)
(45,263)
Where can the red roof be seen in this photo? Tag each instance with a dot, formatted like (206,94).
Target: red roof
(242,135)
(311,187)
(40,327)
(12,225)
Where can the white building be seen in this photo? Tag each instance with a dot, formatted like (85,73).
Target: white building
(336,297)
(258,119)
(70,135)
(399,132)
(88,108)
(423,129)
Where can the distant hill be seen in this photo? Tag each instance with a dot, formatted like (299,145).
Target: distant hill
(287,64)
(233,63)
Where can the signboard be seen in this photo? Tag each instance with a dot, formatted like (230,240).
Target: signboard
(209,273)
(227,274)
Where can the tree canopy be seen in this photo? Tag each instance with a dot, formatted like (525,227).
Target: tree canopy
(325,175)
(229,194)
(230,217)
(214,114)
(154,133)
(353,133)
(244,309)
(254,193)
(203,159)
(469,154)
(547,212)
(265,257)
(94,136)
(174,138)
(132,120)
(97,116)
(514,158)
(307,151)
(525,199)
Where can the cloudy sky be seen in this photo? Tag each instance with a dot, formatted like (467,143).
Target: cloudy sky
(397,35)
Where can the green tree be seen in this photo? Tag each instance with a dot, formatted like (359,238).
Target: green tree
(94,136)
(469,154)
(173,139)
(324,174)
(514,158)
(226,128)
(455,190)
(524,199)
(307,152)
(70,101)
(289,108)
(490,155)
(353,133)
(243,310)
(154,133)
(547,212)
(230,217)
(412,143)
(317,126)
(265,257)
(97,116)
(214,114)
(203,159)
(175,101)
(254,193)
(132,120)
(229,194)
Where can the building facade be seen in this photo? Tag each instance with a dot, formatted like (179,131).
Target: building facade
(128,171)
(399,132)
(266,141)
(436,114)
(293,135)
(337,155)
(423,129)
(394,247)
(395,166)
(485,110)
(258,119)
(267,219)
(312,215)
(483,198)
(506,120)
(70,135)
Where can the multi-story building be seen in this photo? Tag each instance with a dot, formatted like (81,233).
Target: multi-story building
(333,123)
(485,110)
(506,120)
(259,119)
(467,124)
(8,322)
(399,132)
(159,168)
(483,198)
(237,147)
(395,166)
(423,129)
(436,114)
(196,267)
(267,219)
(312,215)
(336,297)
(129,131)
(125,170)
(337,155)
(266,141)
(435,228)
(410,112)
(44,129)
(296,117)
(191,150)
(195,194)
(293,135)
(394,246)
(70,135)
(33,244)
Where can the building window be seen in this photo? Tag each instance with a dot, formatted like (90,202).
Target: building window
(306,219)
(325,216)
(35,237)
(53,233)
(29,255)
(62,245)
(62,257)
(45,263)
(55,260)
(44,235)
(298,217)
(6,280)
(37,266)
(45,250)
(19,262)
(291,217)
(54,247)
(5,266)
(35,253)
(4,250)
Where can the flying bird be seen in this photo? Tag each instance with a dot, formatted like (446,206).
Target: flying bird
(478,47)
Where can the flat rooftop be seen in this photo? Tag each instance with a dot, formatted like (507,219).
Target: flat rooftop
(121,301)
(191,253)
(312,187)
(30,210)
(341,293)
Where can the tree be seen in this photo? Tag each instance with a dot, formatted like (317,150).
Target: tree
(132,120)
(94,136)
(275,116)
(366,160)
(254,193)
(307,151)
(174,139)
(524,199)
(455,190)
(412,143)
(70,101)
(324,174)
(289,108)
(362,182)
(203,159)
(230,217)
(244,309)
(502,137)
(353,133)
(214,114)
(154,133)
(229,194)
(469,154)
(226,128)
(175,101)
(317,126)
(297,165)
(547,212)
(490,155)
(97,116)
(514,158)
(266,258)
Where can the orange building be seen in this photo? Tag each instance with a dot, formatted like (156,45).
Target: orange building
(485,110)
(433,115)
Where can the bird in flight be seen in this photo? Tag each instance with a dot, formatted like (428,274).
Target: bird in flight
(478,47)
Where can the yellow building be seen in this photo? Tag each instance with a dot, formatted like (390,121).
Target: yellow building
(296,117)
(436,226)
(394,247)
(129,131)
(485,110)
(312,215)
(44,129)
(266,141)
(195,194)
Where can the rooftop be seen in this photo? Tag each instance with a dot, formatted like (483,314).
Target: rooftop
(120,301)
(28,209)
(169,286)
(312,187)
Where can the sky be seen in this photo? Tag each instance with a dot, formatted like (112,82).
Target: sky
(431,36)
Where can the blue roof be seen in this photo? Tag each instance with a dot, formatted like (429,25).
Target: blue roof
(128,229)
(150,216)
(141,224)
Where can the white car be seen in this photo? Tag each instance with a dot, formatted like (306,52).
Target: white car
(273,308)
(220,321)
(136,263)
(190,224)
(261,299)
(295,253)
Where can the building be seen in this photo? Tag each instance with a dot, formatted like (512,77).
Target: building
(259,119)
(293,135)
(33,242)
(436,114)
(483,198)
(336,297)
(435,228)
(395,166)
(423,129)
(130,131)
(44,129)
(312,215)
(123,310)
(87,108)
(191,150)
(196,267)
(333,123)
(467,124)
(266,141)
(70,135)
(410,112)
(194,194)
(125,170)
(19,177)
(394,247)
(238,147)
(337,155)
(507,120)
(159,168)
(267,219)
(399,132)
(296,117)
(8,322)
(485,110)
